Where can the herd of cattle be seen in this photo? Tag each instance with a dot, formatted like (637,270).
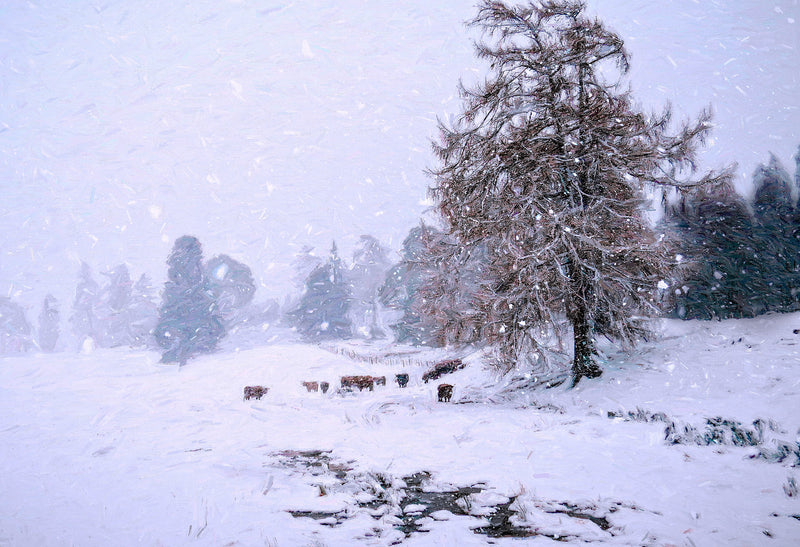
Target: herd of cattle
(348,383)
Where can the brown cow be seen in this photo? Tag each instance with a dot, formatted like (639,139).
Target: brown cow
(311,386)
(254,392)
(445,393)
(360,382)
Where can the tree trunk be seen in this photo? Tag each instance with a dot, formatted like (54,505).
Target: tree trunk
(583,364)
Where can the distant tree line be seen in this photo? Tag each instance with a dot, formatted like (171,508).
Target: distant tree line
(741,257)
(200,303)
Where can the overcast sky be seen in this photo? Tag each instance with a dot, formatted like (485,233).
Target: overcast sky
(264,126)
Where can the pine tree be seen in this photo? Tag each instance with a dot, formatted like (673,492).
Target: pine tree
(449,301)
(322,311)
(722,275)
(143,312)
(303,264)
(401,289)
(189,322)
(113,309)
(49,329)
(370,263)
(85,324)
(547,167)
(232,284)
(15,331)
(776,231)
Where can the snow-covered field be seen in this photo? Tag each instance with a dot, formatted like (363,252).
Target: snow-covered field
(113,448)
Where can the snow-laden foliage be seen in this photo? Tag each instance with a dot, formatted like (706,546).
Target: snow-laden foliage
(84,320)
(231,283)
(548,167)
(449,300)
(15,331)
(49,324)
(189,321)
(432,288)
(365,276)
(143,312)
(303,264)
(112,310)
(738,263)
(323,309)
(773,196)
(401,288)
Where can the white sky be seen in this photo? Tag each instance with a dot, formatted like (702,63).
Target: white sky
(262,126)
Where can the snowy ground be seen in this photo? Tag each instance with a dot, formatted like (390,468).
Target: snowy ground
(113,448)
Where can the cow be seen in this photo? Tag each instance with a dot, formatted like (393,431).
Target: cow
(311,386)
(445,393)
(442,368)
(402,380)
(360,382)
(254,392)
(379,380)
(324,386)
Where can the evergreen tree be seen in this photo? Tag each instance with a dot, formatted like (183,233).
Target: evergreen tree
(15,331)
(231,283)
(772,202)
(401,289)
(303,264)
(547,167)
(797,176)
(722,273)
(85,324)
(49,329)
(370,263)
(322,311)
(189,322)
(143,312)
(776,232)
(114,327)
(450,302)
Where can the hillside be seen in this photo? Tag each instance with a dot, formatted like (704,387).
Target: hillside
(113,448)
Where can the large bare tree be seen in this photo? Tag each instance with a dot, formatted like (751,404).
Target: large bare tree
(549,166)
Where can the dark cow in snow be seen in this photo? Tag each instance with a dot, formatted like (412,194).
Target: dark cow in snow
(254,392)
(442,368)
(324,386)
(402,379)
(445,393)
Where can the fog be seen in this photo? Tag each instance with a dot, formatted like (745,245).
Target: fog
(260,127)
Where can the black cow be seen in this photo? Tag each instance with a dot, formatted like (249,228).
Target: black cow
(445,393)
(254,392)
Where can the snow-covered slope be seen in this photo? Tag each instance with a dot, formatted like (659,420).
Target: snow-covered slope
(113,448)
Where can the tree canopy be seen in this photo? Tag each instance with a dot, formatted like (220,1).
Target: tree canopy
(548,166)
